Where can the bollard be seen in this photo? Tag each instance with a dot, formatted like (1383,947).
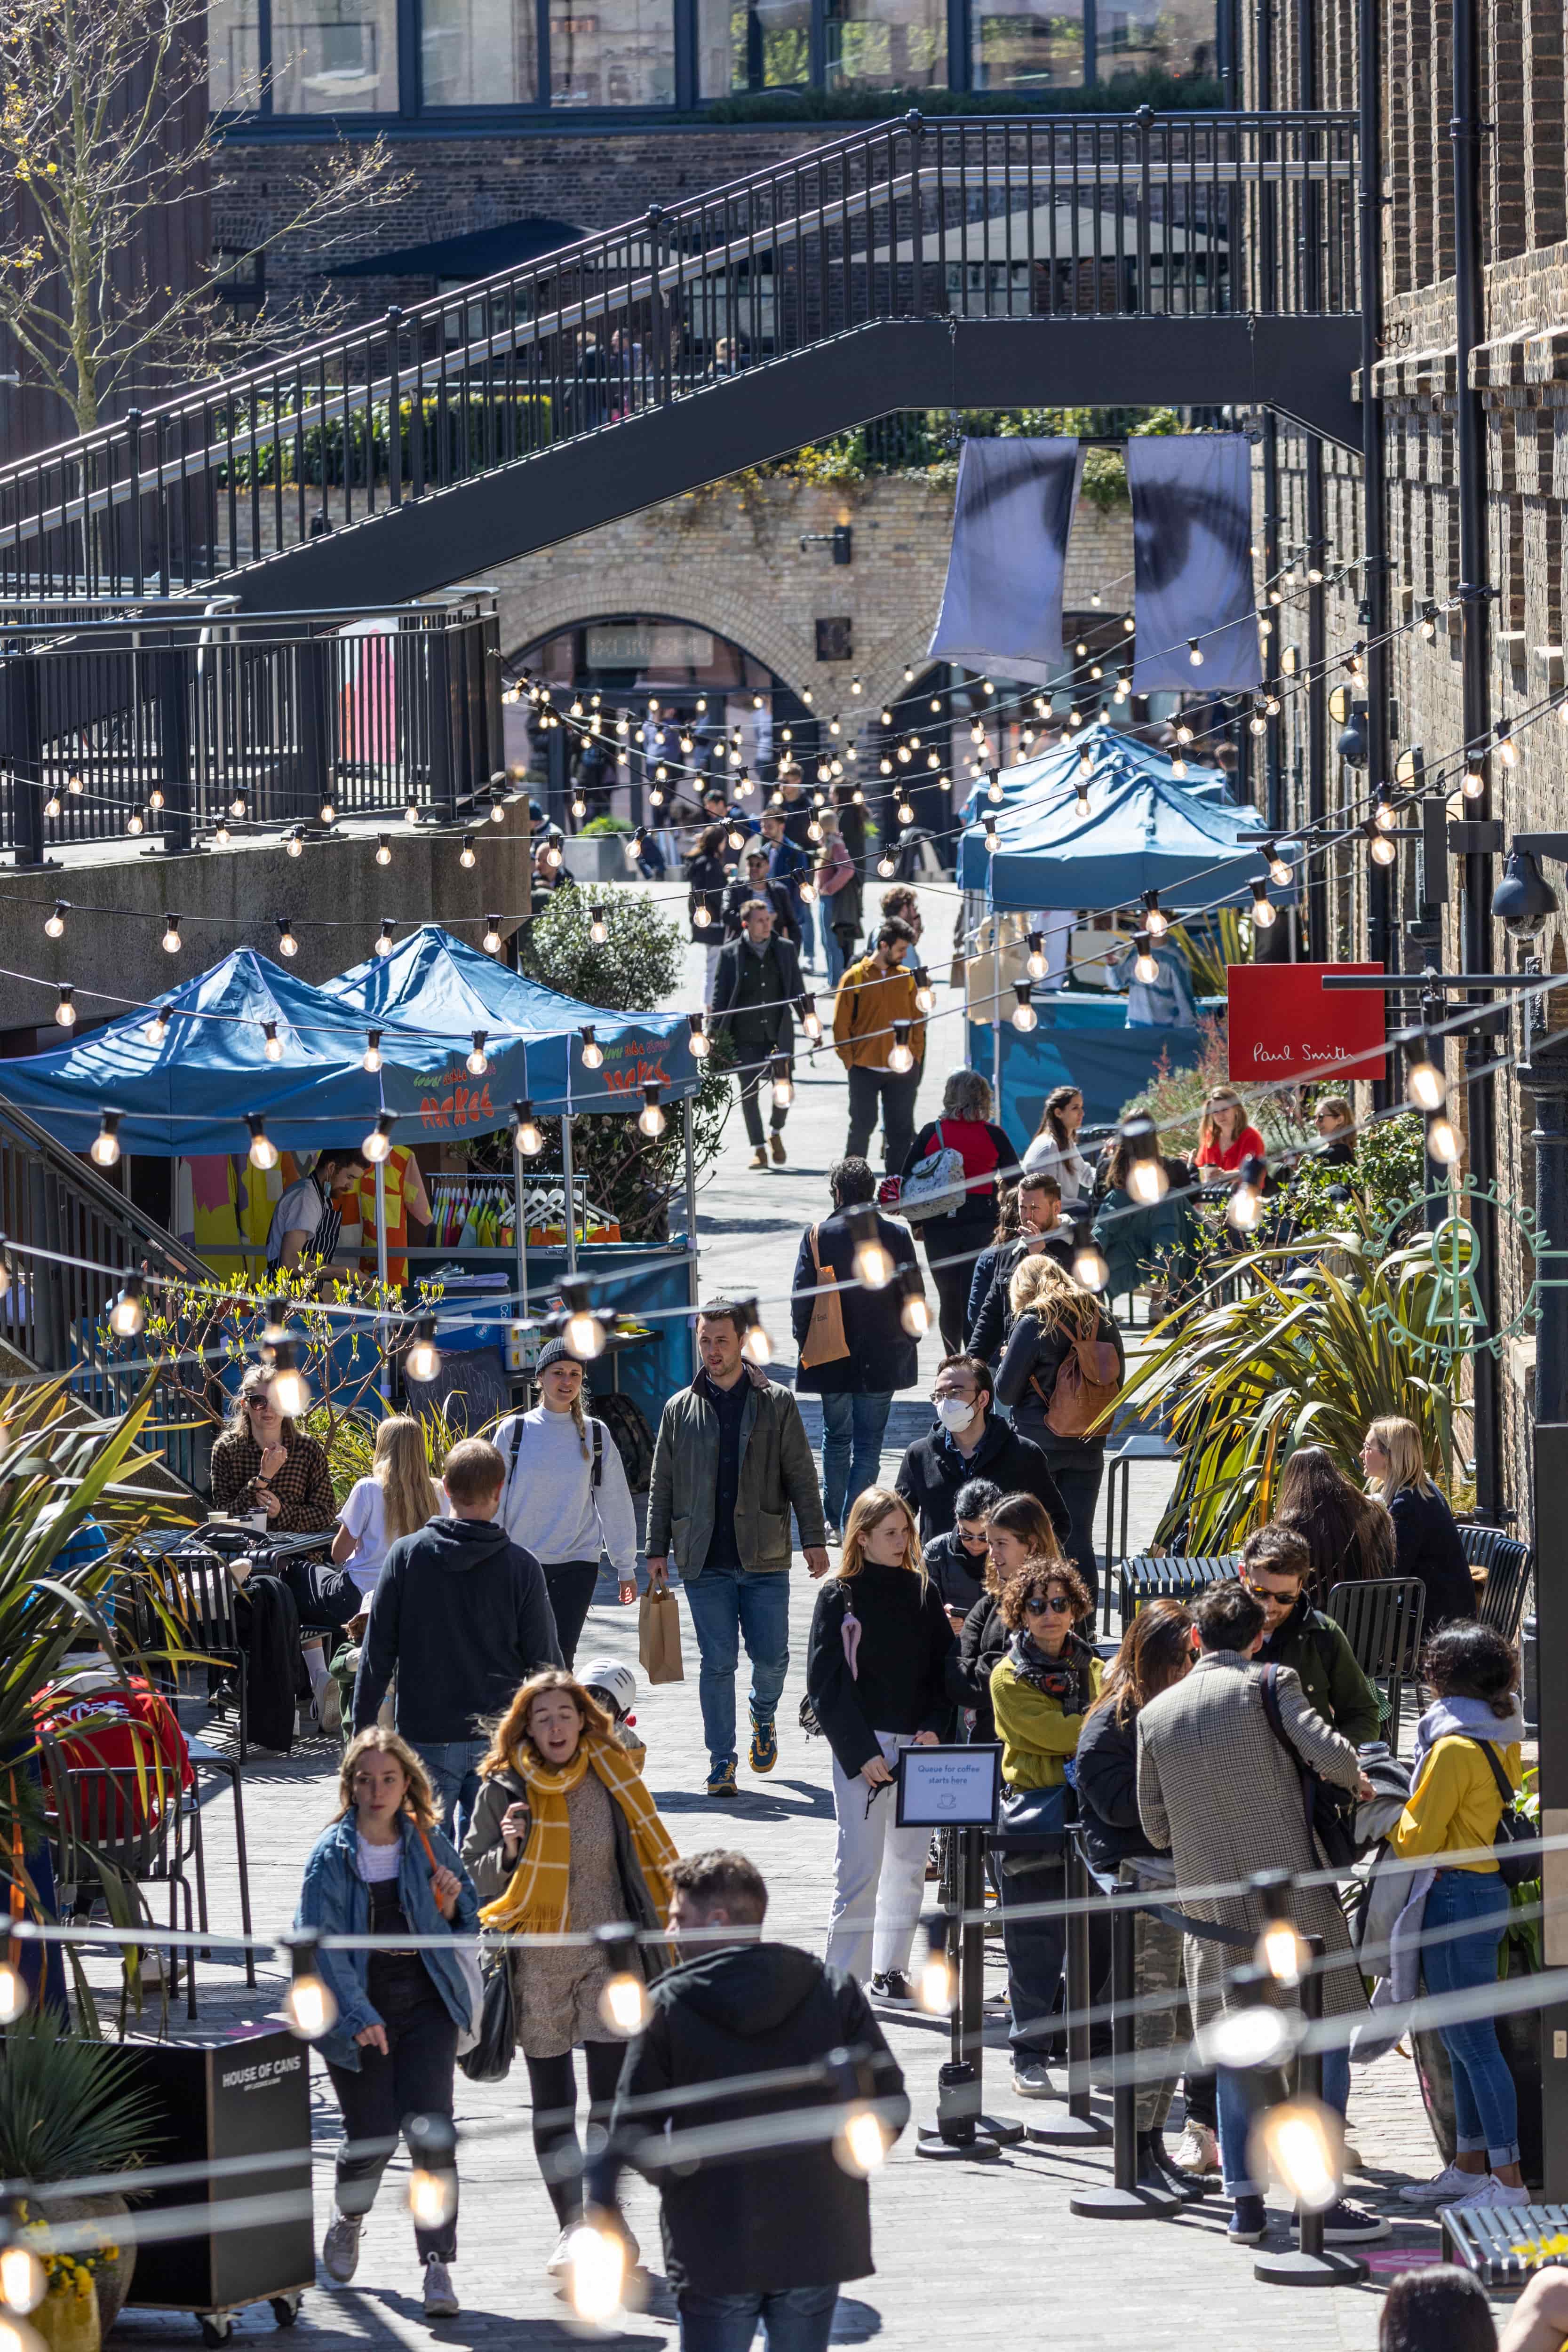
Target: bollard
(1123,2200)
(1311,2262)
(961,2127)
(1080,2124)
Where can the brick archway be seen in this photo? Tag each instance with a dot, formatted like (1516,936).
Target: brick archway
(643,589)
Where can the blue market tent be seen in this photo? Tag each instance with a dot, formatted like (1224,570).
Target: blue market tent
(437,990)
(1144,830)
(1057,773)
(191,1093)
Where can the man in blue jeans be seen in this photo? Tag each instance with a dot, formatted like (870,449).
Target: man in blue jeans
(767,2233)
(731,1461)
(461,1615)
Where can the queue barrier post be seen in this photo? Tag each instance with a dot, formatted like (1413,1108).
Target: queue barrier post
(962,2128)
(1124,2201)
(1309,2263)
(1080,2124)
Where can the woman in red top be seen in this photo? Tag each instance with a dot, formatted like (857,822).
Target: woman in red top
(1226,1135)
(953,1242)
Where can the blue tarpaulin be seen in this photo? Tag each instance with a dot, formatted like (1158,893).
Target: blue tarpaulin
(1083,1042)
(1043,781)
(1145,829)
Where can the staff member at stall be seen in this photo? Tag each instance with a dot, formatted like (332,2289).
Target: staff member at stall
(309,1220)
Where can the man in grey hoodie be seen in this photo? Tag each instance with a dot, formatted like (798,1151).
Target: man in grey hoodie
(461,1615)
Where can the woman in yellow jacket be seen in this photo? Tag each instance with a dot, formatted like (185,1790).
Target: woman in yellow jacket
(1041,1689)
(1454,1806)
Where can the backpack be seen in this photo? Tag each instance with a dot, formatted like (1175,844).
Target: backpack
(1514,1827)
(1087,1384)
(935,1186)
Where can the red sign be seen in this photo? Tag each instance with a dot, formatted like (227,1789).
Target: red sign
(1284,1023)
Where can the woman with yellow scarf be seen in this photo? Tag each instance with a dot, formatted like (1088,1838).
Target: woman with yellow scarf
(564,1838)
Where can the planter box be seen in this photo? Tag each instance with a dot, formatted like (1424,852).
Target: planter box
(601,857)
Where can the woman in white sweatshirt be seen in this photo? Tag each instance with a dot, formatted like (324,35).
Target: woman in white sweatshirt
(566,1498)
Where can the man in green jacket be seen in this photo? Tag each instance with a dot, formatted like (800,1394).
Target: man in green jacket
(1275,1564)
(731,1461)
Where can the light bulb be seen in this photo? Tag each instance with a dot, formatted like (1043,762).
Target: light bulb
(1281,1951)
(171,941)
(1244,1208)
(65,1011)
(935,1986)
(370,1061)
(295,845)
(1156,922)
(624,2003)
(287,943)
(808,894)
(598,928)
(1474,786)
(432,2196)
(383,941)
(861,2145)
(1508,751)
(1146,966)
(1443,1141)
(1386,816)
(873,1263)
(925,995)
(221,833)
(377,1144)
(263,1152)
(24,2281)
(1147,1182)
(1301,2142)
(411,813)
(289,1392)
(700,1043)
(52,805)
(1024,1016)
(1089,1266)
(900,1057)
(73,781)
(585,1335)
(810,1019)
(384,849)
(1279,870)
(595,2272)
(1381,850)
(1195,653)
(1035,966)
(329,813)
(1262,912)
(13,1993)
(466,856)
(915,1315)
(700,918)
(1178,766)
(273,1048)
(424,1358)
(756,1347)
(128,1315)
(157,1028)
(651,1121)
(783,1083)
(478,1061)
(498,813)
(236,805)
(593,1052)
(1424,1081)
(491,940)
(527,1140)
(55,926)
(309,2007)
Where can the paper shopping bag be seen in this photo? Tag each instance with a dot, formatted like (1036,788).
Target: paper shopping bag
(659,1637)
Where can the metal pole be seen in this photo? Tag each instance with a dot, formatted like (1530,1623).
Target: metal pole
(568,1188)
(1551,1628)
(1124,2201)
(1546,1075)
(1383,928)
(1467,130)
(1275,799)
(1309,2263)
(385,1380)
(693,1277)
(1079,2123)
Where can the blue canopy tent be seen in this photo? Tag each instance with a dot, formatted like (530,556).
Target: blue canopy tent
(1053,779)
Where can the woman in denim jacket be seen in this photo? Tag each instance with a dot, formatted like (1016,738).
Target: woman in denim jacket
(384,1867)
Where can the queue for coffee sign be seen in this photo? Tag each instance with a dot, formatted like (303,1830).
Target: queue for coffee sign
(1282,1024)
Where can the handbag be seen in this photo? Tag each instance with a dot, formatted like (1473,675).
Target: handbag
(1032,1828)
(1330,1811)
(935,1186)
(488,2060)
(1514,1827)
(825,1340)
(468,1961)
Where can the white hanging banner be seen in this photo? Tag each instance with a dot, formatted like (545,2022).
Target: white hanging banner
(1001,606)
(1192,544)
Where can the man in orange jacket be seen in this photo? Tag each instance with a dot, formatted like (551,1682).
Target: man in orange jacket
(872,995)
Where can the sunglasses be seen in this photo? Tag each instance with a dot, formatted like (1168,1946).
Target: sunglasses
(1056,1605)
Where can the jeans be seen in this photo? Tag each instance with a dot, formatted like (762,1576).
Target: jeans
(452,1767)
(1035,1950)
(752,1074)
(413,2078)
(806,918)
(852,1432)
(325,1596)
(730,1605)
(1486,2106)
(833,952)
(878,1873)
(796,2319)
(1236,2122)
(570,1584)
(895,1095)
(1079,1484)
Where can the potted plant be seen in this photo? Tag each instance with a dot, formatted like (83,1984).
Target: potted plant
(69,2109)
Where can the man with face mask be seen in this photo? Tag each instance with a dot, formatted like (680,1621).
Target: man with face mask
(965,1443)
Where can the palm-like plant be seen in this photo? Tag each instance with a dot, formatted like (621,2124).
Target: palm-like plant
(1305,1355)
(70,2108)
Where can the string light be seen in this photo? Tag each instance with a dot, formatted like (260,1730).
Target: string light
(384,849)
(1380,849)
(901,1058)
(423,1361)
(1147,1181)
(782,1082)
(1262,911)
(1424,1081)
(273,1048)
(1245,1207)
(597,2271)
(810,1019)
(862,2144)
(264,1153)
(925,995)
(157,1028)
(1089,1266)
(383,941)
(466,856)
(329,813)
(593,1052)
(128,1315)
(171,941)
(104,1151)
(295,844)
(65,1011)
(584,1333)
(309,2004)
(478,1061)
(873,1263)
(914,1314)
(1443,1141)
(700,1043)
(491,940)
(1508,750)
(287,943)
(1301,2142)
(755,1345)
(1024,1016)
(1279,869)
(1144,966)
(651,1121)
(527,1139)
(55,924)
(1156,922)
(377,1144)
(1195,653)
(24,2281)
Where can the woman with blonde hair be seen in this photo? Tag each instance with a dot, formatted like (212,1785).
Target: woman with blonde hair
(876,1675)
(396,1500)
(1063,1364)
(1425,1539)
(1226,1135)
(566,1839)
(382,1867)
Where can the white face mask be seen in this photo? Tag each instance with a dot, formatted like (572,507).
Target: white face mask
(954,1412)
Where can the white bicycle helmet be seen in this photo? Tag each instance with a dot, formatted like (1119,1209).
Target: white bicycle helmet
(608,1679)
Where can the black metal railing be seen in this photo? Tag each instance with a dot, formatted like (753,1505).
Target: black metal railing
(170,719)
(1137,216)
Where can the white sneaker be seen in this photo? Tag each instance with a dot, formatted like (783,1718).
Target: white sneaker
(1197,2150)
(340,2247)
(560,2261)
(440,2294)
(1490,2191)
(1445,2188)
(329,1706)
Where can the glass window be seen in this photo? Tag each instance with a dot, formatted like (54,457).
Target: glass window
(612,52)
(1135,37)
(478,52)
(334,57)
(234,55)
(1027,48)
(886,44)
(765,45)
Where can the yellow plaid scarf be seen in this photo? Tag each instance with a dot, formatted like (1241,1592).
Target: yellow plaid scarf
(538,1900)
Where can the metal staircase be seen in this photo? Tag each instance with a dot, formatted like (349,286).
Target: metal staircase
(1092,259)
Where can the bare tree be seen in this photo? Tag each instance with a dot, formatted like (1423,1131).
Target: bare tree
(105,136)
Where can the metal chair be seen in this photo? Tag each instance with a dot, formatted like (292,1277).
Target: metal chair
(1509,1564)
(113,1821)
(213,1759)
(194,1583)
(1170,1576)
(1381,1619)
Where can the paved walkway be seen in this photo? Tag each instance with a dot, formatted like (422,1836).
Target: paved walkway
(956,2244)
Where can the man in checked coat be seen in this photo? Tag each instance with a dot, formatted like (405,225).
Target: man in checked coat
(1219,1788)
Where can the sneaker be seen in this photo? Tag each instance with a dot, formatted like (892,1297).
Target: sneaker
(330,1707)
(1248,2223)
(440,2294)
(778,1150)
(1445,2188)
(764,1743)
(560,2261)
(340,2247)
(722,1782)
(1490,2191)
(893,1985)
(1032,2079)
(1197,2150)
(1349,2225)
